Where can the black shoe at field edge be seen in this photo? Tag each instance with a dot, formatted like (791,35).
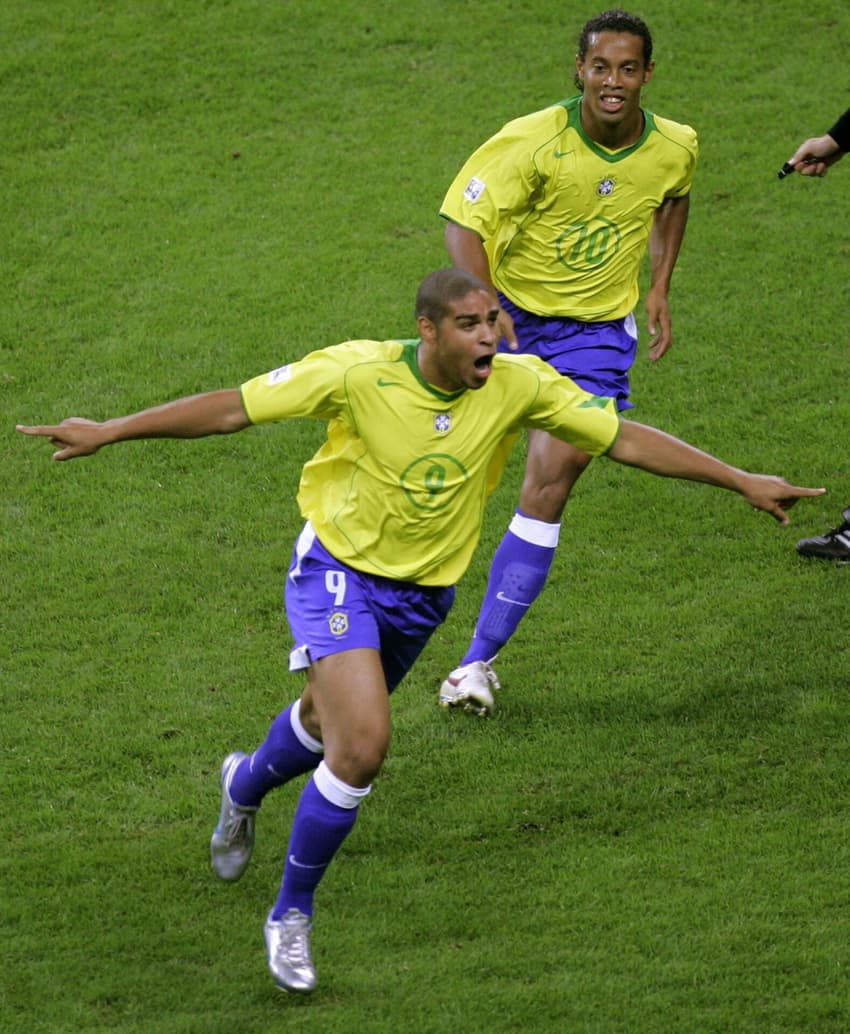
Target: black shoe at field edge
(833,545)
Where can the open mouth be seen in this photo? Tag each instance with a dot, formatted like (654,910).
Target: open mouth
(484,363)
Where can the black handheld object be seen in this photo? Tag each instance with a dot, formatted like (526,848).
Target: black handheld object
(785,170)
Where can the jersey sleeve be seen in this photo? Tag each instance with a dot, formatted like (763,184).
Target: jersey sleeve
(311,387)
(685,142)
(498,181)
(840,132)
(567,411)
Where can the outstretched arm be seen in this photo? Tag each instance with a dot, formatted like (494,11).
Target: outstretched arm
(665,240)
(216,412)
(638,445)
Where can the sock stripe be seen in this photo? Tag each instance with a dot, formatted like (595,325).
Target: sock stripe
(336,791)
(304,737)
(538,533)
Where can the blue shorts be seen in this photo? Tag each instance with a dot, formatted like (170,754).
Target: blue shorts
(597,356)
(331,608)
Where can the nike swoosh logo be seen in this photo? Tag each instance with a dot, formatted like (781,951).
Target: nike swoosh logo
(562,154)
(506,599)
(301,865)
(387,384)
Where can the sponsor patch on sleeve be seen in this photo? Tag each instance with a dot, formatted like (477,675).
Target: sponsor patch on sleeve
(282,373)
(474,189)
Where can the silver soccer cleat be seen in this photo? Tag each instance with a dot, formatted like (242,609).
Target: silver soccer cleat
(469,687)
(233,840)
(288,947)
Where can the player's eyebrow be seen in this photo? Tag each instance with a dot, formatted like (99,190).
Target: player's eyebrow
(473,317)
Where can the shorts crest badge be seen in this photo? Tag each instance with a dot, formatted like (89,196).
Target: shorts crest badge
(338,622)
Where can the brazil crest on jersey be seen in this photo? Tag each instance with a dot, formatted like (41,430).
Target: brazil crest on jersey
(399,486)
(565,222)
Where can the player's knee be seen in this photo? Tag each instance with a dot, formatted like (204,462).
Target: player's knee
(360,759)
(545,500)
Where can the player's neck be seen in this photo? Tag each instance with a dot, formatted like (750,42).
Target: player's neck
(614,137)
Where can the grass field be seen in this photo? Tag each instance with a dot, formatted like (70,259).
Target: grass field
(651,834)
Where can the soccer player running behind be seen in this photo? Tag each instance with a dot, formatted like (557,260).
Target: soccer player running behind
(557,211)
(813,158)
(393,501)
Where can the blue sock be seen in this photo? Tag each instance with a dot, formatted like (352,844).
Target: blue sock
(287,751)
(323,819)
(517,576)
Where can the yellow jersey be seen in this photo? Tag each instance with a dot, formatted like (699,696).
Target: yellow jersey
(399,486)
(566,222)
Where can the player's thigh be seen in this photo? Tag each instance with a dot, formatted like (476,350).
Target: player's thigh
(552,467)
(348,693)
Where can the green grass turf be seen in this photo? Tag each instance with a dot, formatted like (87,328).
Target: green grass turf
(651,834)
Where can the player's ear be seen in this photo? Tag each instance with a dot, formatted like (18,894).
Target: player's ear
(427,330)
(650,68)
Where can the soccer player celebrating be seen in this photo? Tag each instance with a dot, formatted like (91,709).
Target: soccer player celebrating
(557,210)
(393,502)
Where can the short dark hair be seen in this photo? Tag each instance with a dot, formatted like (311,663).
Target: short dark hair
(615,20)
(442,287)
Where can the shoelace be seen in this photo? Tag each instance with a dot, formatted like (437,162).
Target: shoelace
(492,678)
(236,827)
(295,946)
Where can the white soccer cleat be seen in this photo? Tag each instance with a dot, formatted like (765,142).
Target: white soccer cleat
(288,948)
(469,687)
(233,838)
